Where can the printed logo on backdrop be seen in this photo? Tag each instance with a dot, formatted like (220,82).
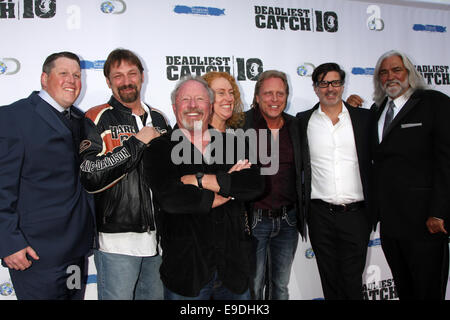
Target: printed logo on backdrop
(27,9)
(199,11)
(94,65)
(9,66)
(374,242)
(361,71)
(7,289)
(113,7)
(295,19)
(306,69)
(376,288)
(242,68)
(374,21)
(435,74)
(309,253)
(429,28)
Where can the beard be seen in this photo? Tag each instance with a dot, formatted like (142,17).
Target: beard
(395,91)
(128,97)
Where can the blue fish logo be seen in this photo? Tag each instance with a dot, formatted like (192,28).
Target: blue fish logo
(363,71)
(429,28)
(375,242)
(203,11)
(97,64)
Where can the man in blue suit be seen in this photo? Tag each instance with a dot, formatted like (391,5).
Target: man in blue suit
(46,217)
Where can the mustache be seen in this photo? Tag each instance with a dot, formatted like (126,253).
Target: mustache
(129,86)
(391,82)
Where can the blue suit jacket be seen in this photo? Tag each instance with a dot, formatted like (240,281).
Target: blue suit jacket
(42,203)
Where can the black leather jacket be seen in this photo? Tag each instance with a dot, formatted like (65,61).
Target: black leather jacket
(112,168)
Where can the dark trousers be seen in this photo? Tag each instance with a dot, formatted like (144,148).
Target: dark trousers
(40,282)
(419,267)
(339,241)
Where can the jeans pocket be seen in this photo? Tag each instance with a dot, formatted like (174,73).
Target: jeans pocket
(291,218)
(255,218)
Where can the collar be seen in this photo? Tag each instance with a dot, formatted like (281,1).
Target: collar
(48,98)
(116,104)
(342,113)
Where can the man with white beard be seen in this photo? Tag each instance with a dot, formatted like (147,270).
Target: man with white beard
(199,202)
(411,170)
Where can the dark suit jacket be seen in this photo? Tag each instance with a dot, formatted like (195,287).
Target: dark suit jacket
(412,165)
(294,131)
(361,122)
(42,203)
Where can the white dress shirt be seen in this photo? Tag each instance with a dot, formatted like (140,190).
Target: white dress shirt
(335,176)
(47,98)
(399,102)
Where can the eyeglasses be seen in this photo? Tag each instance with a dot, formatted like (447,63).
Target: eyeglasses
(325,84)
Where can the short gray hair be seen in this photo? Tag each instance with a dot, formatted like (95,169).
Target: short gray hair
(415,79)
(183,80)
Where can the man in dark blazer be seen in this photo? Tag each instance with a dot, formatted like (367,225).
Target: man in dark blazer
(278,214)
(411,159)
(337,184)
(46,217)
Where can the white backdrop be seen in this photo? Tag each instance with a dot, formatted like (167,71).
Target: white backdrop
(242,37)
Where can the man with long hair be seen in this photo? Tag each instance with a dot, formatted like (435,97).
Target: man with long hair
(411,162)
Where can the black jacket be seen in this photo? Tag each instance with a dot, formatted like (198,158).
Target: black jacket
(197,240)
(412,166)
(251,117)
(112,168)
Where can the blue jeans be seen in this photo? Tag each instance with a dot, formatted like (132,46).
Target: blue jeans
(277,240)
(123,277)
(213,290)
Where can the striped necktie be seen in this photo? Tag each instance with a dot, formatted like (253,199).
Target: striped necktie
(389,116)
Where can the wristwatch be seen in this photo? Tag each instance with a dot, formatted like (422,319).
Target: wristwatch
(199,176)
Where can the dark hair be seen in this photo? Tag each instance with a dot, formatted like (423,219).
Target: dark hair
(117,56)
(323,69)
(49,63)
(268,75)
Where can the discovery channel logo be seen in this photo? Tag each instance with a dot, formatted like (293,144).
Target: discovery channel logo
(306,69)
(309,253)
(200,11)
(7,289)
(113,7)
(374,21)
(9,66)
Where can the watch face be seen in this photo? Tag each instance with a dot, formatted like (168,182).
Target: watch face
(199,174)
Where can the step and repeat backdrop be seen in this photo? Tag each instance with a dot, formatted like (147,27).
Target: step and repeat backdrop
(244,38)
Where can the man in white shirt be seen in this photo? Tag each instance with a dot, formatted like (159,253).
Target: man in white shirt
(337,184)
(115,137)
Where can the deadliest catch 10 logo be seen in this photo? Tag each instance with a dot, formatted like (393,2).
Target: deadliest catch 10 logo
(27,9)
(242,68)
(434,74)
(295,19)
(381,290)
